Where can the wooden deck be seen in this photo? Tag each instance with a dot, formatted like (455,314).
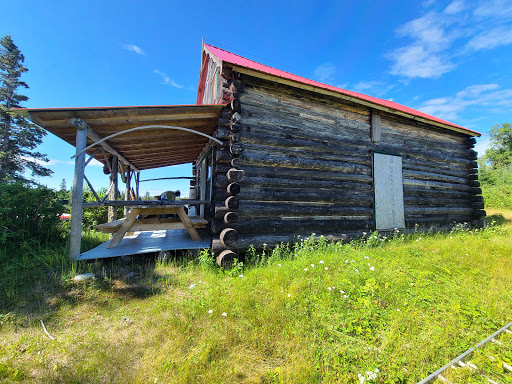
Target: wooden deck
(148,242)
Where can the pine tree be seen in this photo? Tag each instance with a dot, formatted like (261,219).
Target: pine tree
(18,136)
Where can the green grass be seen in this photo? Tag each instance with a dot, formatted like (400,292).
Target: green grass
(412,304)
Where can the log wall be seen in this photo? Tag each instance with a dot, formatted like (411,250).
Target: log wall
(307,161)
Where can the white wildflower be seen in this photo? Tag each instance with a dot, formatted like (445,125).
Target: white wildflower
(224,314)
(289,295)
(364,233)
(357,271)
(278,265)
(210,311)
(329,288)
(192,286)
(398,310)
(240,275)
(342,291)
(321,262)
(361,378)
(372,268)
(345,296)
(412,283)
(366,257)
(312,265)
(305,269)
(326,268)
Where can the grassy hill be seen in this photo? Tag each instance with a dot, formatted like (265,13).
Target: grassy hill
(388,309)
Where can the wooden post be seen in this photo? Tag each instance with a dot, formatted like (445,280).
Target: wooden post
(127,190)
(137,180)
(112,211)
(75,233)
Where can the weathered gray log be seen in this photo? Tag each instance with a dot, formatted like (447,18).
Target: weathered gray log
(476,191)
(236,149)
(226,114)
(236,127)
(433,176)
(235,175)
(473,155)
(230,218)
(477,198)
(275,173)
(410,222)
(236,163)
(471,141)
(224,123)
(474,183)
(217,247)
(217,226)
(410,211)
(477,205)
(283,209)
(232,202)
(220,195)
(221,181)
(220,211)
(436,184)
(473,177)
(300,225)
(228,237)
(226,259)
(307,195)
(223,156)
(298,184)
(252,158)
(413,190)
(479,213)
(473,164)
(222,168)
(222,132)
(237,83)
(433,201)
(233,189)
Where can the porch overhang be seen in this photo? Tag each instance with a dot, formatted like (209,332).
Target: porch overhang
(141,149)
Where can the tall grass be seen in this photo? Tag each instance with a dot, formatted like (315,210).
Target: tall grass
(388,309)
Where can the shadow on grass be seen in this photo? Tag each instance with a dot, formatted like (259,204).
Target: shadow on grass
(498,219)
(37,280)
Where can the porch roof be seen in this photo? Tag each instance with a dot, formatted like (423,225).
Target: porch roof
(144,149)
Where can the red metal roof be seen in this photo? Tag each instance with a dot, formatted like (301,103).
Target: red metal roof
(232,58)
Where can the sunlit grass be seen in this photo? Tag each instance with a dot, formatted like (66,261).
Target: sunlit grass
(404,306)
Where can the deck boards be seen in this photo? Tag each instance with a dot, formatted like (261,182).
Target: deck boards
(147,242)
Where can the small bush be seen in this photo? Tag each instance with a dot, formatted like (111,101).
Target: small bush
(28,214)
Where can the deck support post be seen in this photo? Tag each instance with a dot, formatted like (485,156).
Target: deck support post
(127,193)
(137,181)
(114,191)
(75,235)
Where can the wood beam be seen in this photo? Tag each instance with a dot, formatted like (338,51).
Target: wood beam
(75,235)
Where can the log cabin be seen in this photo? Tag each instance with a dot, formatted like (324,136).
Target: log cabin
(277,157)
(301,157)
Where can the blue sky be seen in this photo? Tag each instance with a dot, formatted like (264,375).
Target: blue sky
(451,59)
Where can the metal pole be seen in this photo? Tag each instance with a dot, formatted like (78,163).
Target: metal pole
(75,234)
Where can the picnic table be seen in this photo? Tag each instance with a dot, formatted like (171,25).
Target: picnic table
(136,219)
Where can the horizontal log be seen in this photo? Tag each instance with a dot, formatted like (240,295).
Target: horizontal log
(220,195)
(223,156)
(299,225)
(411,211)
(239,86)
(473,177)
(228,237)
(226,114)
(411,222)
(236,149)
(477,205)
(275,173)
(433,201)
(479,214)
(471,140)
(232,202)
(476,191)
(236,163)
(477,198)
(251,158)
(224,123)
(222,133)
(474,183)
(230,218)
(235,175)
(233,189)
(222,168)
(236,127)
(217,247)
(436,184)
(221,181)
(302,195)
(226,259)
(288,209)
(216,226)
(299,185)
(433,176)
(473,155)
(419,192)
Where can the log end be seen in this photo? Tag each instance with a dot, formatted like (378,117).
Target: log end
(226,259)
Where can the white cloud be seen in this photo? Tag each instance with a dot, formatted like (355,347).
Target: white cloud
(324,73)
(433,39)
(374,88)
(455,7)
(133,48)
(475,96)
(167,80)
(491,39)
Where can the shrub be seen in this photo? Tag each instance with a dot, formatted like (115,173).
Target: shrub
(28,214)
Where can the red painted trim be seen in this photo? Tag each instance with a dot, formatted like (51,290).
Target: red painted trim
(232,58)
(115,107)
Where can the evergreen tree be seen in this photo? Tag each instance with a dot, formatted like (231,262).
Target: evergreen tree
(18,136)
(63,186)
